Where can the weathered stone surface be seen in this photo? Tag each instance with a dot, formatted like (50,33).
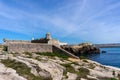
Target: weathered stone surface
(79,49)
(62,51)
(16,47)
(71,76)
(55,70)
(28,47)
(51,67)
(9,74)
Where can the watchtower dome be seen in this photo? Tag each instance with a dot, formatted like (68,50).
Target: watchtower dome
(48,36)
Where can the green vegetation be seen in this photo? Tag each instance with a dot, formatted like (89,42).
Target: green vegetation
(84,60)
(53,54)
(91,79)
(4,48)
(69,68)
(82,73)
(113,73)
(75,63)
(106,78)
(111,79)
(1,46)
(29,55)
(82,57)
(38,58)
(14,54)
(91,66)
(119,76)
(23,70)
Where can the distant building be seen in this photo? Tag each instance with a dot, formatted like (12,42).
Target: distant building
(61,43)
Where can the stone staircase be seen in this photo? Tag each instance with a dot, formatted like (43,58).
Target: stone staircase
(62,51)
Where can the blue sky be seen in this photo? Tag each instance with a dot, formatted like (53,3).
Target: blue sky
(72,21)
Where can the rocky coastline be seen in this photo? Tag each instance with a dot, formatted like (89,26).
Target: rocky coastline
(53,66)
(81,49)
(36,66)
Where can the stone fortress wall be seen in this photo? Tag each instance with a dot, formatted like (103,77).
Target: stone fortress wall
(20,46)
(28,47)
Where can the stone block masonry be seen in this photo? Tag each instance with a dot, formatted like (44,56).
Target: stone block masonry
(28,47)
(20,47)
(62,51)
(51,45)
(36,47)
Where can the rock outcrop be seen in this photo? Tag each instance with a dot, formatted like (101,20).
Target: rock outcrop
(81,49)
(44,67)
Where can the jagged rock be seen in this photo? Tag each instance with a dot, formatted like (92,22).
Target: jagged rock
(51,67)
(9,74)
(71,76)
(83,79)
(80,49)
(54,69)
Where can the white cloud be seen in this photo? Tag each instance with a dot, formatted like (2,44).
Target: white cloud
(76,18)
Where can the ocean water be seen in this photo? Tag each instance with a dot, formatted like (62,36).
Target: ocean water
(110,58)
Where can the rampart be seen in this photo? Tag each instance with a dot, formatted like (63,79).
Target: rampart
(15,47)
(40,45)
(15,41)
(62,51)
(28,47)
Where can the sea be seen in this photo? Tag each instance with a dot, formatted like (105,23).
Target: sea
(110,57)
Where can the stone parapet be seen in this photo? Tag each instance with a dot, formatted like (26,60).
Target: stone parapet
(28,47)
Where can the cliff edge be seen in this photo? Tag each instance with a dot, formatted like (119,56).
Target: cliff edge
(81,49)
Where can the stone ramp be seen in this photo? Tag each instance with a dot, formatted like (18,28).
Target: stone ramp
(62,51)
